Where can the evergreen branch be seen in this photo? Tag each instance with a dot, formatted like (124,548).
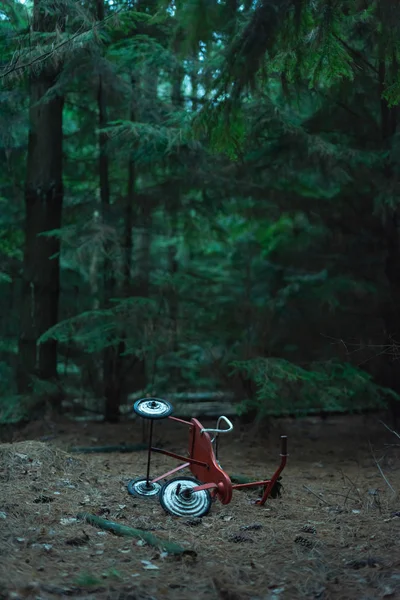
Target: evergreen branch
(338,103)
(42,57)
(14,67)
(9,265)
(245,54)
(85,109)
(355,53)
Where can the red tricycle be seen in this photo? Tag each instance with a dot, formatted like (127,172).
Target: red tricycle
(192,496)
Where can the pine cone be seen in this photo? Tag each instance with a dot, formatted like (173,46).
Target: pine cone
(303,541)
(309,529)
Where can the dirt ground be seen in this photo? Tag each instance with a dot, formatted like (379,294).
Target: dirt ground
(334,533)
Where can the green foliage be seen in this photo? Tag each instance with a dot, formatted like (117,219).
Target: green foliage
(11,242)
(97,329)
(251,178)
(286,388)
(392,93)
(14,408)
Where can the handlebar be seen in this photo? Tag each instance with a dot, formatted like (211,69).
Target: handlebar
(217,430)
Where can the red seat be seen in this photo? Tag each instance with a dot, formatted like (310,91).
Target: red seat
(201,449)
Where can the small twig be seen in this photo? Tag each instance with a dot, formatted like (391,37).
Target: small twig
(346,496)
(344,476)
(380,470)
(391,430)
(384,478)
(316,495)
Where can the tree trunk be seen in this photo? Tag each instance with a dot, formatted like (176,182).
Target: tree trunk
(173,301)
(110,353)
(142,212)
(174,205)
(391,233)
(123,364)
(43,202)
(128,221)
(141,283)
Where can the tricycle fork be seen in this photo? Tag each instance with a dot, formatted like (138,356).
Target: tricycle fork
(279,470)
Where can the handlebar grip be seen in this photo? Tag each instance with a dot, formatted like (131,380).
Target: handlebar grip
(284,445)
(227,421)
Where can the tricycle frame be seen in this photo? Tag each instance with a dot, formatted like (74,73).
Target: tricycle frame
(204,466)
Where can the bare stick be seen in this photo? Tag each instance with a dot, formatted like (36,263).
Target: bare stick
(391,430)
(380,470)
(354,486)
(316,495)
(346,496)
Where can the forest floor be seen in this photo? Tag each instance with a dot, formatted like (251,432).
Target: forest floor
(334,533)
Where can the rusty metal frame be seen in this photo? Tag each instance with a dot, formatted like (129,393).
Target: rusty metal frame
(204,466)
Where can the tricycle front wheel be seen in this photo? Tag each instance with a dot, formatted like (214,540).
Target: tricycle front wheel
(153,408)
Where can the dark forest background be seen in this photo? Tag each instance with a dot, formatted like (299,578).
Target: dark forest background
(199,196)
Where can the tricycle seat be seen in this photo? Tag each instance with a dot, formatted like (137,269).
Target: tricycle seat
(206,468)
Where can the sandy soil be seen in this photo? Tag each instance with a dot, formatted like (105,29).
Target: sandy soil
(334,533)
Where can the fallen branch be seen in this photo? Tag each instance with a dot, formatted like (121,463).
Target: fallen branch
(123,530)
(108,449)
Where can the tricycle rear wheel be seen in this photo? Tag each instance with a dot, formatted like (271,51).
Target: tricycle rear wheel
(140,488)
(178,498)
